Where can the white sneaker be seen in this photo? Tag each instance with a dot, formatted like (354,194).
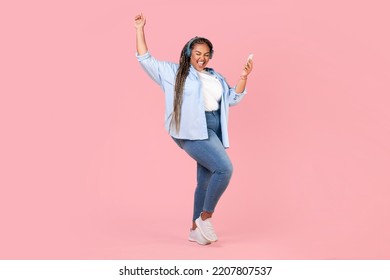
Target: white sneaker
(207,229)
(196,236)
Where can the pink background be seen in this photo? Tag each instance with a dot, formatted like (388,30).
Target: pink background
(88,171)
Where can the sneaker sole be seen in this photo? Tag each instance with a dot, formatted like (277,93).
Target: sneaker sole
(194,240)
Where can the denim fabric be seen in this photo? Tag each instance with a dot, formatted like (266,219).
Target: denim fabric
(214,168)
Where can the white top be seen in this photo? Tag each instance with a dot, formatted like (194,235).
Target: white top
(211,90)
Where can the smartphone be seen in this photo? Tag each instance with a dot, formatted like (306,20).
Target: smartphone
(250,57)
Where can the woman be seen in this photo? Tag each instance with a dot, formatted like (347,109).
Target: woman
(196,112)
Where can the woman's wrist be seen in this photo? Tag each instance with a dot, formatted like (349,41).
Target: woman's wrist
(244,77)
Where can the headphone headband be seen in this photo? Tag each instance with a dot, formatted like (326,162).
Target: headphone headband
(188,49)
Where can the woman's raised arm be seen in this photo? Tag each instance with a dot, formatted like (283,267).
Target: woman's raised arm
(139,23)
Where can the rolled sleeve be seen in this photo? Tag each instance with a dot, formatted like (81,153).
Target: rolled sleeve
(143,56)
(234,97)
(151,66)
(159,71)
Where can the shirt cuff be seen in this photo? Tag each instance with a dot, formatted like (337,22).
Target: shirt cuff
(143,57)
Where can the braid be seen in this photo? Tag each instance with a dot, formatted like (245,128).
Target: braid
(181,76)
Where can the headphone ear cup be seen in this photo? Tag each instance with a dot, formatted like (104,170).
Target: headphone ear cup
(188,50)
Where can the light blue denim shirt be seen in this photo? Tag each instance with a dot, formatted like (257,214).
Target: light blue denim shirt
(193,124)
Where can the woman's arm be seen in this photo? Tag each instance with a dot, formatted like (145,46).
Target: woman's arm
(240,87)
(139,23)
(159,71)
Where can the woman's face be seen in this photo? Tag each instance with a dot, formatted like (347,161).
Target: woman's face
(200,56)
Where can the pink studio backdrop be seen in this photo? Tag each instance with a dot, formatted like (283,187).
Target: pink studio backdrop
(88,171)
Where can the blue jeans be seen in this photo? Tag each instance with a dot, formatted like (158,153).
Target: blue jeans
(214,168)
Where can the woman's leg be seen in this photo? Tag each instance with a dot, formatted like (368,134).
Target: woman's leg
(212,156)
(214,171)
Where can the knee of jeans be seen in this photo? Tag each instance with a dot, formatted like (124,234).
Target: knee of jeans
(227,169)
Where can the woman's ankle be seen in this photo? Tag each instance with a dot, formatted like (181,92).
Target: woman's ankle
(206,215)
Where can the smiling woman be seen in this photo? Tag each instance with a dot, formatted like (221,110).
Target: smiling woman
(200,55)
(196,115)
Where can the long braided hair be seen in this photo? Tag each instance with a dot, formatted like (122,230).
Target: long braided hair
(182,73)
